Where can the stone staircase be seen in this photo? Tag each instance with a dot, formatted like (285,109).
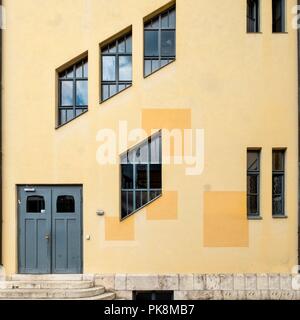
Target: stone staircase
(53,287)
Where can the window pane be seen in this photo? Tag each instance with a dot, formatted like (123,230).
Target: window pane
(66,95)
(165,20)
(155,176)
(65,204)
(70,73)
(141,154)
(164,62)
(124,206)
(105,92)
(277,184)
(147,67)
(168,43)
(112,90)
(122,87)
(155,150)
(151,43)
(112,48)
(155,23)
(62,116)
(252,204)
(278,205)
(129,44)
(82,93)
(35,204)
(85,70)
(79,71)
(108,68)
(252,15)
(121,47)
(252,184)
(253,160)
(155,65)
(141,176)
(154,194)
(278,160)
(172,19)
(125,68)
(70,115)
(79,111)
(127,176)
(141,199)
(278,15)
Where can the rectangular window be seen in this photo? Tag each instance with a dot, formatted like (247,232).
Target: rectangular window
(278,183)
(253,16)
(278,8)
(159,41)
(253,183)
(116,70)
(73,91)
(141,175)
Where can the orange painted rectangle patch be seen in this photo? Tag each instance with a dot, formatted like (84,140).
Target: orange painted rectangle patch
(225,219)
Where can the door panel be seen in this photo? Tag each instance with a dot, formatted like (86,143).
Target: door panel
(66,230)
(34,226)
(50,230)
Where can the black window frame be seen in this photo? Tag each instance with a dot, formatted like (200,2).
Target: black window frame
(159,58)
(63,77)
(253,16)
(157,192)
(257,174)
(281,28)
(279,173)
(117,82)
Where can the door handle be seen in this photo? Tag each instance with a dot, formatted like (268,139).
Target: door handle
(47,237)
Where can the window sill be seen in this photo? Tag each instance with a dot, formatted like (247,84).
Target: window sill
(280,217)
(280,32)
(252,32)
(255,218)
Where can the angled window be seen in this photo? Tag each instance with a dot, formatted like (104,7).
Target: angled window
(253,182)
(159,41)
(116,64)
(141,175)
(253,16)
(278,183)
(278,8)
(73,91)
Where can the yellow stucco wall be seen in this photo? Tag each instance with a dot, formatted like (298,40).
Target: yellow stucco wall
(240,88)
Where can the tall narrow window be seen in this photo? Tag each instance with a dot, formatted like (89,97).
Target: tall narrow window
(278,8)
(159,41)
(141,180)
(73,92)
(116,66)
(253,183)
(278,182)
(253,16)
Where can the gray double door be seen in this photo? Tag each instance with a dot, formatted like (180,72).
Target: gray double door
(50,229)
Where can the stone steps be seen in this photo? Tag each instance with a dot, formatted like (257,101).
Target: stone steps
(53,287)
(73,284)
(51,293)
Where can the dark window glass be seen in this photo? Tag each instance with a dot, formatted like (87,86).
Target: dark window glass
(127,176)
(35,204)
(159,39)
(65,204)
(116,66)
(278,7)
(151,43)
(73,92)
(141,180)
(168,43)
(278,182)
(253,182)
(253,15)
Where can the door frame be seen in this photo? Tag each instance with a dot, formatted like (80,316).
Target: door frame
(33,185)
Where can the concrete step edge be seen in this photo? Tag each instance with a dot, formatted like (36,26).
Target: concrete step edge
(75,284)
